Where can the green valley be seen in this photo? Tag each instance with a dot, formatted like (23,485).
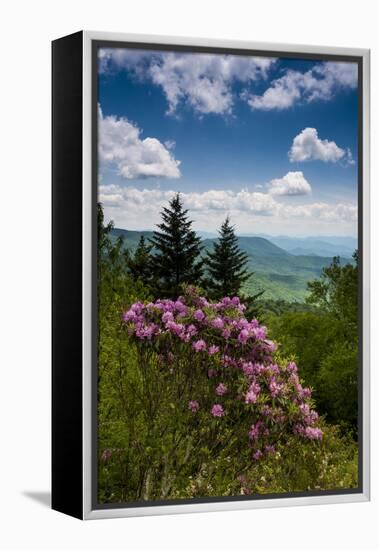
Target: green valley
(281,274)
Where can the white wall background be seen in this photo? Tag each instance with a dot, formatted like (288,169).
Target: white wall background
(26,30)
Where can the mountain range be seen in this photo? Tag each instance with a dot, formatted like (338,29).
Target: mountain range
(318,246)
(282,266)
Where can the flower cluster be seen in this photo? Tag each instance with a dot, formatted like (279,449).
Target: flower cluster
(237,361)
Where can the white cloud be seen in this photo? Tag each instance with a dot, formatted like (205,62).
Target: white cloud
(320,82)
(134,208)
(219,200)
(349,158)
(308,146)
(114,59)
(120,145)
(339,212)
(203,81)
(259,204)
(293,183)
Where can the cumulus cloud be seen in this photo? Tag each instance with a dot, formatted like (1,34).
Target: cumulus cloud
(320,82)
(120,145)
(308,146)
(293,183)
(202,81)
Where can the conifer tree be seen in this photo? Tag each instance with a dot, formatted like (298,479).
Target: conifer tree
(112,256)
(176,259)
(226,264)
(103,231)
(140,264)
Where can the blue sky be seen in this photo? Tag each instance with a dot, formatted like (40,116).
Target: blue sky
(270,142)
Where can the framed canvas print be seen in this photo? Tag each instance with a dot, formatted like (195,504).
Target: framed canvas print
(210,275)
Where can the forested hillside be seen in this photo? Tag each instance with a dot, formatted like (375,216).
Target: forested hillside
(281,274)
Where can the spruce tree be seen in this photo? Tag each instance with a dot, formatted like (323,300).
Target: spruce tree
(226,264)
(177,251)
(140,263)
(112,255)
(103,231)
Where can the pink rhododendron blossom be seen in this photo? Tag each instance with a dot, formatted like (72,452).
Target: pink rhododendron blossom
(260,333)
(199,315)
(274,369)
(252,393)
(258,454)
(137,307)
(193,406)
(243,336)
(199,345)
(130,316)
(306,393)
(226,333)
(145,331)
(271,346)
(275,387)
(191,330)
(313,433)
(167,316)
(309,416)
(175,328)
(221,389)
(217,323)
(242,323)
(203,302)
(213,349)
(217,410)
(248,369)
(255,429)
(228,361)
(180,308)
(291,367)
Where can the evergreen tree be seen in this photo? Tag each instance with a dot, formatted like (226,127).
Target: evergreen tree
(177,249)
(226,264)
(112,256)
(140,264)
(103,231)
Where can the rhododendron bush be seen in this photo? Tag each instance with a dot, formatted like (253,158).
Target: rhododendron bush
(213,390)
(195,399)
(225,367)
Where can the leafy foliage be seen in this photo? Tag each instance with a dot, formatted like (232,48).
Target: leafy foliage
(325,341)
(337,292)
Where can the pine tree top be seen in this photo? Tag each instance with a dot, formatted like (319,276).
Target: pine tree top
(226,264)
(176,258)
